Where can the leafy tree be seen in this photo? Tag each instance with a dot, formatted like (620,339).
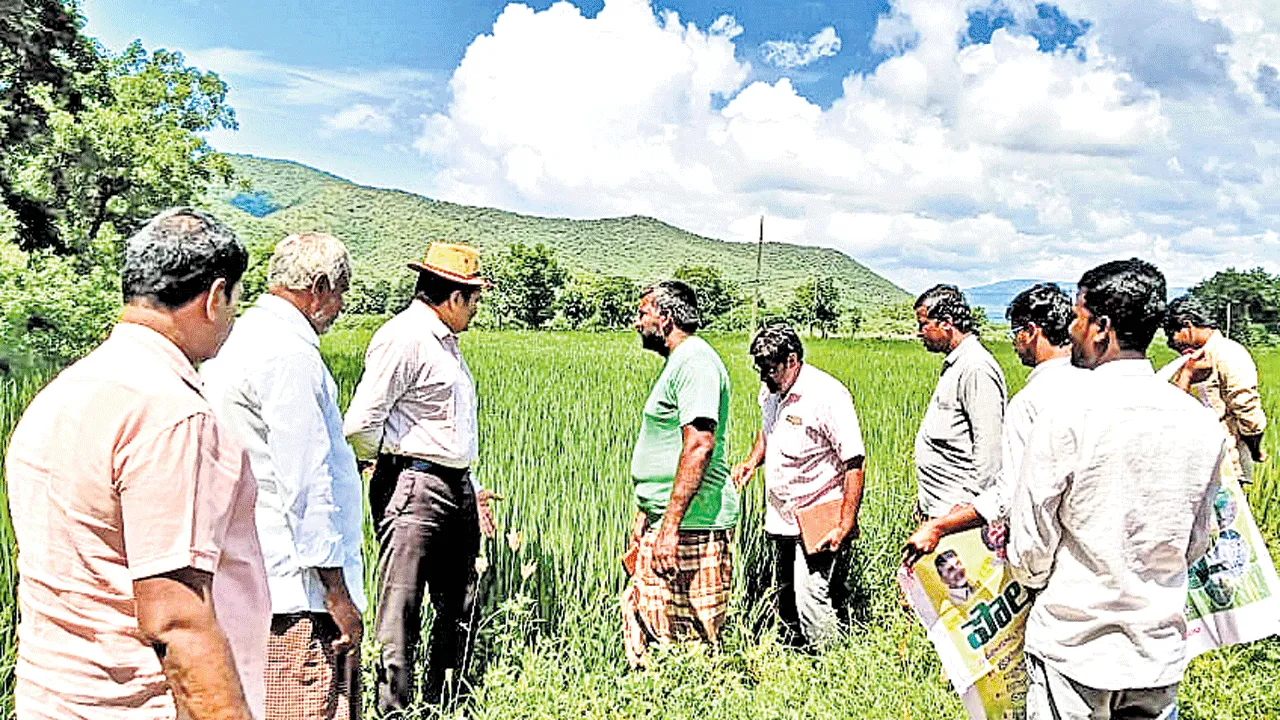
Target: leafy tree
(816,305)
(717,295)
(44,63)
(131,151)
(527,279)
(615,301)
(1253,298)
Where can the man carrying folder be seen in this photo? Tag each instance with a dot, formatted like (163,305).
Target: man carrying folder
(811,448)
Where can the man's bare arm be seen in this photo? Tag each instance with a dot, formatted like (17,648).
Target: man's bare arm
(175,616)
(699,442)
(925,539)
(742,472)
(849,507)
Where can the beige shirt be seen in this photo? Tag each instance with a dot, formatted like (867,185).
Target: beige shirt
(1231,392)
(957,450)
(809,436)
(1113,502)
(117,472)
(417,396)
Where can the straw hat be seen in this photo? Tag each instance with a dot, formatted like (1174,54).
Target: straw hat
(459,263)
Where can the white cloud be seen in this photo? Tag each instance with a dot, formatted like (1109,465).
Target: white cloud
(359,117)
(963,164)
(789,54)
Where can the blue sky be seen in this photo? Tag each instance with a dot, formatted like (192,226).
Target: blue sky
(957,140)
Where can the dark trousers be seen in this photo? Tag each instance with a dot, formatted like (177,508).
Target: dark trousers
(806,589)
(429,537)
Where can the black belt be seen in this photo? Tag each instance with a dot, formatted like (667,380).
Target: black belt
(408,462)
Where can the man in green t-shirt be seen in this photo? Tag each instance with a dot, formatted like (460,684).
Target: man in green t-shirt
(680,538)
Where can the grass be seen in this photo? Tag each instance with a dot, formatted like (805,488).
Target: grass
(558,416)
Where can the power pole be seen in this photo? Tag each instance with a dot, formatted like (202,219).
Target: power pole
(1228,318)
(755,300)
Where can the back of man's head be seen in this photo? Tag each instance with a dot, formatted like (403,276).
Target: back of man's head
(1131,295)
(1046,305)
(774,343)
(176,257)
(677,300)
(946,302)
(302,261)
(1188,310)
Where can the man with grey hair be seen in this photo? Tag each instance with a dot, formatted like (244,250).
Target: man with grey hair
(681,534)
(134,511)
(272,391)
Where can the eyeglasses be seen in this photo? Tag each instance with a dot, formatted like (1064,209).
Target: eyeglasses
(1014,330)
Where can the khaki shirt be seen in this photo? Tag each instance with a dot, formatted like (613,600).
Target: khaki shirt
(1231,392)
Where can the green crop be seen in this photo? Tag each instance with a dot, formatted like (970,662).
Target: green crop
(558,416)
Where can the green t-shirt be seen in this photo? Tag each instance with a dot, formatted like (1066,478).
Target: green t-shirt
(693,384)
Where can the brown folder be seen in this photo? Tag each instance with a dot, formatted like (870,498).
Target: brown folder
(816,521)
(629,559)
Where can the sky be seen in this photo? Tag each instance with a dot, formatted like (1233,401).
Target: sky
(963,141)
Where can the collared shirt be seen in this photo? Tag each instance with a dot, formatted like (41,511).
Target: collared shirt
(417,396)
(1113,502)
(957,451)
(1046,386)
(118,472)
(271,389)
(809,436)
(1231,392)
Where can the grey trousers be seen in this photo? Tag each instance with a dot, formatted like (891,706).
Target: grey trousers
(1054,696)
(804,598)
(429,537)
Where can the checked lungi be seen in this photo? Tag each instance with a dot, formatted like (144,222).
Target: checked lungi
(305,679)
(690,605)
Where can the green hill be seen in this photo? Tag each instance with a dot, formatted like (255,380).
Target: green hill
(386,228)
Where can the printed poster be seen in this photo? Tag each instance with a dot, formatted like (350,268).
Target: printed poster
(974,613)
(1234,593)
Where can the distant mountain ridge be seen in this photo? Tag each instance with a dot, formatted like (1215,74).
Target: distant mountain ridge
(994,298)
(386,228)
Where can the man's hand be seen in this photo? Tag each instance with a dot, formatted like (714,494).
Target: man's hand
(638,526)
(343,611)
(487,527)
(741,474)
(836,538)
(922,542)
(1196,369)
(665,553)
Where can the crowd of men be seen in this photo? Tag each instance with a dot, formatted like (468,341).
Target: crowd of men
(190,539)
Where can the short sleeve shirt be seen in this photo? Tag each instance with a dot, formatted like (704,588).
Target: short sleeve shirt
(694,384)
(118,472)
(810,434)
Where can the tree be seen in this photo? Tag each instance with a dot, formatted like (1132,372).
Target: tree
(44,62)
(129,152)
(527,279)
(717,295)
(1253,298)
(615,301)
(816,305)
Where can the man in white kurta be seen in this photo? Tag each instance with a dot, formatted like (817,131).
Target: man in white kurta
(1114,501)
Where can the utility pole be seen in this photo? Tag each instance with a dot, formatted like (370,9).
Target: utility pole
(755,300)
(1228,318)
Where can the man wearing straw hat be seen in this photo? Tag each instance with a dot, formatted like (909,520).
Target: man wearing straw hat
(415,412)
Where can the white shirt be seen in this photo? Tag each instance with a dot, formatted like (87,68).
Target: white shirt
(1113,502)
(270,387)
(417,396)
(809,436)
(1046,386)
